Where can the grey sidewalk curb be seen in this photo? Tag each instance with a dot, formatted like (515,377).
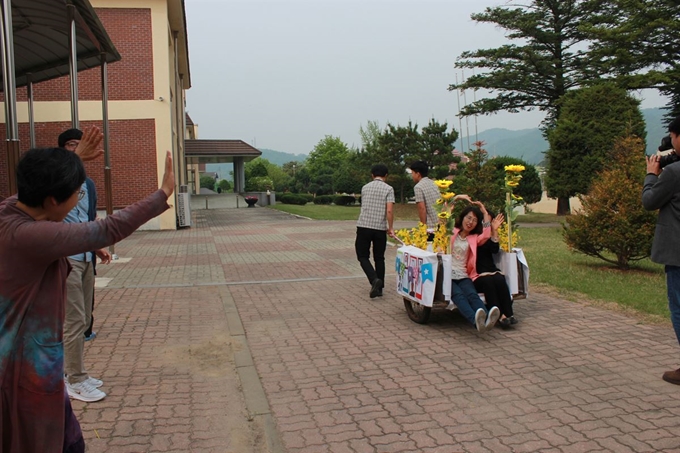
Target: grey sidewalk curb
(253,392)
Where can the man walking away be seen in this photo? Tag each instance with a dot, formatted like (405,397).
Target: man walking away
(374,224)
(661,191)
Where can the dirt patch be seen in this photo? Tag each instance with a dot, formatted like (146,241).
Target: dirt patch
(212,357)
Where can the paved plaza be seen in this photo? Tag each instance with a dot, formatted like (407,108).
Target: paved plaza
(253,332)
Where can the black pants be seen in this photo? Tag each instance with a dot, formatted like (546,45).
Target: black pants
(496,292)
(378,239)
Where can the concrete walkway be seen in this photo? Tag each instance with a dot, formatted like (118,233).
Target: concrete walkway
(253,332)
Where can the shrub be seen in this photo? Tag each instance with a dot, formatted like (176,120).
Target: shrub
(207,182)
(224,185)
(323,199)
(612,220)
(292,198)
(259,184)
(308,196)
(344,200)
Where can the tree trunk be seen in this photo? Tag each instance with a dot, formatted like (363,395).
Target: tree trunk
(563,207)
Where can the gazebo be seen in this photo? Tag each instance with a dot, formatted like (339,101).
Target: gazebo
(237,152)
(42,40)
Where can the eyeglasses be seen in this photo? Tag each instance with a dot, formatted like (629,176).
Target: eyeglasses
(81,194)
(71,144)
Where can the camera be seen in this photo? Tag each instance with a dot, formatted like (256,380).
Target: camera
(666,144)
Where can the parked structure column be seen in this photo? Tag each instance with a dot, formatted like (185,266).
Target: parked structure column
(73,65)
(31,111)
(9,86)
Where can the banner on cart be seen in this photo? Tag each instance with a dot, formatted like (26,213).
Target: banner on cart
(416,274)
(516,270)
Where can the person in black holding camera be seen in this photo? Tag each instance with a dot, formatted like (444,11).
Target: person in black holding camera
(661,191)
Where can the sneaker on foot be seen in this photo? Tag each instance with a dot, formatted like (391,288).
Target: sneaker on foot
(672,376)
(376,288)
(94,382)
(92,336)
(84,391)
(494,314)
(480,316)
(513,320)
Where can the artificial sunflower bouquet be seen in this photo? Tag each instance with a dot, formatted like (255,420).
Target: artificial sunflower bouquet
(417,236)
(507,236)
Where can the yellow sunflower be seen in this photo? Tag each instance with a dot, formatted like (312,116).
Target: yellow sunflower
(514,168)
(443,183)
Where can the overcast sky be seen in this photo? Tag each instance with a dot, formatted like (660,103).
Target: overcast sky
(282,74)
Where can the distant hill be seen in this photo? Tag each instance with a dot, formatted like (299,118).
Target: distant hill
(280,157)
(225,171)
(529,144)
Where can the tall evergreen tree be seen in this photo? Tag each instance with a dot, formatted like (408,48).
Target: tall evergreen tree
(639,41)
(551,58)
(590,122)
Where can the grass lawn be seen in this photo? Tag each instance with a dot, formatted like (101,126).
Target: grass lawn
(332,212)
(553,267)
(577,277)
(537,217)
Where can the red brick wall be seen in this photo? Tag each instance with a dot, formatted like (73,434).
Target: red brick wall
(130,78)
(133,157)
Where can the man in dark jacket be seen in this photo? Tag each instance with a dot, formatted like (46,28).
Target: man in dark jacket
(80,290)
(661,191)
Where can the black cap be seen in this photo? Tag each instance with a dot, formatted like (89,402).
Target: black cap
(71,134)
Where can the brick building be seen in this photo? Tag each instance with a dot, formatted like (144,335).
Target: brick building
(146,102)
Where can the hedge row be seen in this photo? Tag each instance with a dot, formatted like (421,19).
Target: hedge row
(302,199)
(292,198)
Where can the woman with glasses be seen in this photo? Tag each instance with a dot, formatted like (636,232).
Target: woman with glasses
(471,230)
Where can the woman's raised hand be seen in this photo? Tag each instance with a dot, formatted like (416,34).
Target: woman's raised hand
(497,222)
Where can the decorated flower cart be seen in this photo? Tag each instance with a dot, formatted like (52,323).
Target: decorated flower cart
(424,267)
(423,279)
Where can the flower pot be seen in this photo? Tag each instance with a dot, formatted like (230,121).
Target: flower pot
(251,201)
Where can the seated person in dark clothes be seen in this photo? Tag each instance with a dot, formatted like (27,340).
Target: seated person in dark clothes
(489,279)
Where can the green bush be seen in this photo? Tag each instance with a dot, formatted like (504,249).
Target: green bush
(259,184)
(344,200)
(308,196)
(323,199)
(292,198)
(612,224)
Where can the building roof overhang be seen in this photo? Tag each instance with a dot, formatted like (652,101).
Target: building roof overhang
(218,151)
(41,39)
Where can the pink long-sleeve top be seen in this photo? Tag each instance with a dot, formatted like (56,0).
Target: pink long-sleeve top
(474,240)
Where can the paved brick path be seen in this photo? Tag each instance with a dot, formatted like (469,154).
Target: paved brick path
(345,373)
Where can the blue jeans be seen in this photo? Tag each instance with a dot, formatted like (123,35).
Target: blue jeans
(465,297)
(673,288)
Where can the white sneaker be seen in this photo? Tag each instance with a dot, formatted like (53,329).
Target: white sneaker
(494,314)
(84,391)
(480,316)
(94,382)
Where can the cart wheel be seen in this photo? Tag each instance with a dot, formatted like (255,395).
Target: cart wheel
(417,312)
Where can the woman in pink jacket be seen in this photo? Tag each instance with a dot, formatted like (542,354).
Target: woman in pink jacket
(472,228)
